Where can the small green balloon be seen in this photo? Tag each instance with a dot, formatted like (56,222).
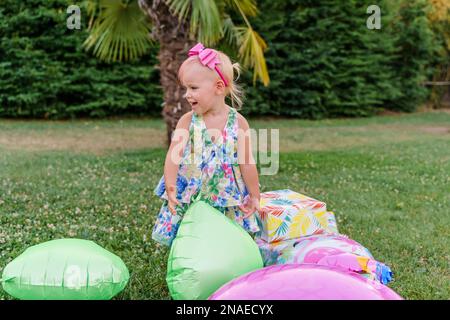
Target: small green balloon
(65,269)
(208,251)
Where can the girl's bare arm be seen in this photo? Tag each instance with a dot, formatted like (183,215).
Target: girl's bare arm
(247,164)
(180,138)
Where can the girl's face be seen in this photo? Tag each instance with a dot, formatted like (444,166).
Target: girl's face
(202,88)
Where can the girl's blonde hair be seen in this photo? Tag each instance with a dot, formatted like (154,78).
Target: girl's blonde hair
(228,69)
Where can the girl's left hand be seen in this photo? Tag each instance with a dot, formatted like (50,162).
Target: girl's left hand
(250,207)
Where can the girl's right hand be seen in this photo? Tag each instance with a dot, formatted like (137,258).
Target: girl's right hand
(172,195)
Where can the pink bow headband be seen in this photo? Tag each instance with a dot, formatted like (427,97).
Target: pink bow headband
(208,58)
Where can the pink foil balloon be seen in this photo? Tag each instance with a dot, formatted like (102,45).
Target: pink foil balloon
(303,282)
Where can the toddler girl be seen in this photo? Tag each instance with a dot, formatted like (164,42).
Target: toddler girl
(210,153)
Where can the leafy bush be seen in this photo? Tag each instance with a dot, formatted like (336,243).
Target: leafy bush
(45,73)
(325,62)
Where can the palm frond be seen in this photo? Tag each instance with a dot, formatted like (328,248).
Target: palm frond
(251,51)
(251,45)
(118,31)
(247,7)
(91,10)
(229,31)
(205,21)
(179,7)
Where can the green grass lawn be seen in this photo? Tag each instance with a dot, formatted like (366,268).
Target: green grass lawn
(386,178)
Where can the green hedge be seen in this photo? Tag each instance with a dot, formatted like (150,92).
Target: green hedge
(322,59)
(44,72)
(325,62)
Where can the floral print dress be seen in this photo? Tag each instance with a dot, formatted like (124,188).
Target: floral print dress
(209,170)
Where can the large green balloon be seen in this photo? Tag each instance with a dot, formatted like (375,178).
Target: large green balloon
(71,269)
(208,251)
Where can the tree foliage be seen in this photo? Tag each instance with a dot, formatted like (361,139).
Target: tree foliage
(325,62)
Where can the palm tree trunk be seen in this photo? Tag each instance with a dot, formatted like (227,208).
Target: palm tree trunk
(175,41)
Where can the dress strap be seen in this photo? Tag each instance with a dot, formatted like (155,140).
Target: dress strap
(233,130)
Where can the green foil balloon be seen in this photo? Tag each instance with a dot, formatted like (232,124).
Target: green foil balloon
(208,251)
(68,269)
